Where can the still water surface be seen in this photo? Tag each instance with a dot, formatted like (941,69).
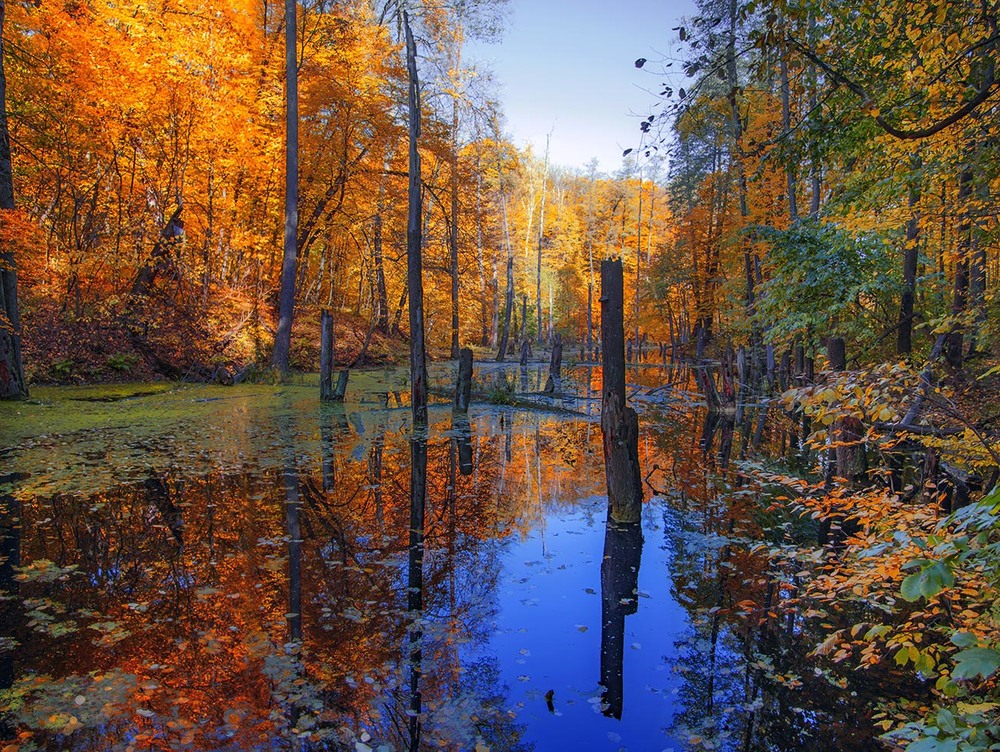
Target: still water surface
(237,569)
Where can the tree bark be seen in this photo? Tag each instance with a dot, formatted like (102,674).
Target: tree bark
(619,423)
(463,389)
(960,287)
(326,356)
(541,234)
(286,301)
(904,333)
(414,241)
(12,385)
(508,308)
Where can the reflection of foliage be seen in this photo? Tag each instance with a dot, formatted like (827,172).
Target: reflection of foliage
(823,280)
(182,584)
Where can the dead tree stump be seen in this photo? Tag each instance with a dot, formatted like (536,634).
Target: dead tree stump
(525,352)
(326,356)
(555,362)
(619,423)
(463,389)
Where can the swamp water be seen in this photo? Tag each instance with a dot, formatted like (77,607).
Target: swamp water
(239,568)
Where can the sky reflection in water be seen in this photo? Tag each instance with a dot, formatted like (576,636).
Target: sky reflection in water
(161,611)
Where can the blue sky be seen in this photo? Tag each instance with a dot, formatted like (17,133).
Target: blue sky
(567,66)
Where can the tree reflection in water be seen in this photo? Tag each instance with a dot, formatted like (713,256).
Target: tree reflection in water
(619,598)
(297,598)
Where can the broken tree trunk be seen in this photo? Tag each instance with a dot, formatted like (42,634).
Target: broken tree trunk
(619,423)
(463,389)
(326,356)
(555,362)
(327,390)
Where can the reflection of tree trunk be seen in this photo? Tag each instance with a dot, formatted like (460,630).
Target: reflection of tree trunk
(462,431)
(375,465)
(415,581)
(619,598)
(326,451)
(161,497)
(10,558)
(294,532)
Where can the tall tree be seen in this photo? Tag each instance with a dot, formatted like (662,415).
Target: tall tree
(286,300)
(12,384)
(414,243)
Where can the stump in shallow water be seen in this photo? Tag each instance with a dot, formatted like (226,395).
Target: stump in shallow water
(619,423)
(463,387)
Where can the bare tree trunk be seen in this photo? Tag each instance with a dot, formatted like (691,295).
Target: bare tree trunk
(463,389)
(509,299)
(541,234)
(786,127)
(904,334)
(326,356)
(414,240)
(960,288)
(381,294)
(619,423)
(453,229)
(12,385)
(286,302)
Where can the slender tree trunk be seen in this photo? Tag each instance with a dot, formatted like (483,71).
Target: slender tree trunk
(286,301)
(786,127)
(541,235)
(960,288)
(12,384)
(453,229)
(977,274)
(904,334)
(381,294)
(326,358)
(485,293)
(508,307)
(414,241)
(736,126)
(638,265)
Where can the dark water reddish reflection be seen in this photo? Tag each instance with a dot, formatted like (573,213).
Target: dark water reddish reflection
(293,601)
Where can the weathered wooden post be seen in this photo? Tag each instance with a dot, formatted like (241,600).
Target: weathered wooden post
(555,366)
(555,362)
(327,391)
(619,423)
(463,388)
(326,356)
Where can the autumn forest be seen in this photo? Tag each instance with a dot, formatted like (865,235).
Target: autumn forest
(200,200)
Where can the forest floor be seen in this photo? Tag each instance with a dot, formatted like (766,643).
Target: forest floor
(95,348)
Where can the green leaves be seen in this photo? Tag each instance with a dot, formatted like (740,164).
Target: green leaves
(975,662)
(933,577)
